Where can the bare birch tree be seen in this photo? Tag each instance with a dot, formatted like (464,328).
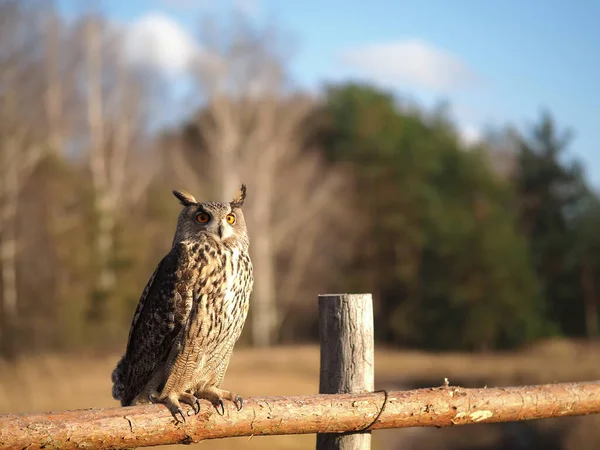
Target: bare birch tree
(115,124)
(251,128)
(54,98)
(20,148)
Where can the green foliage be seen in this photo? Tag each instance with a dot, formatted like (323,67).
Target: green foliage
(447,262)
(558,212)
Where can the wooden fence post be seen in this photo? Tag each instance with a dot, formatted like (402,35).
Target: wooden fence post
(347,358)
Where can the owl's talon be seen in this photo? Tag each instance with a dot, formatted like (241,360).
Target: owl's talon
(195,408)
(174,407)
(180,412)
(192,400)
(238,401)
(222,405)
(216,396)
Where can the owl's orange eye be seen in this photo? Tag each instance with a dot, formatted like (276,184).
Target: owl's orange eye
(230,219)
(203,217)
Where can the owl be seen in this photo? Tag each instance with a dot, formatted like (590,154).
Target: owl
(191,312)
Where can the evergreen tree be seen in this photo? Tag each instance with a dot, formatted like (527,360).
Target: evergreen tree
(552,195)
(443,255)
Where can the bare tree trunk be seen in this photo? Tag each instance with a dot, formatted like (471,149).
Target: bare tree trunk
(264,313)
(104,240)
(264,307)
(56,130)
(17,160)
(53,99)
(114,117)
(224,140)
(103,201)
(8,252)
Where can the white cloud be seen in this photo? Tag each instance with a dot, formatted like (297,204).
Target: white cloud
(184,4)
(409,62)
(469,134)
(158,42)
(249,8)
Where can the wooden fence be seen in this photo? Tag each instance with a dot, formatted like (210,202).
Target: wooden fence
(342,415)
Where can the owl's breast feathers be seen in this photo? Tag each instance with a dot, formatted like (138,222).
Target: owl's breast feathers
(198,293)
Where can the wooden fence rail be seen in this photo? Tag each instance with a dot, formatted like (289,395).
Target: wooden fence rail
(150,425)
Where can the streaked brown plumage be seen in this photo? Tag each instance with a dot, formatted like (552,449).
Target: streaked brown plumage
(191,312)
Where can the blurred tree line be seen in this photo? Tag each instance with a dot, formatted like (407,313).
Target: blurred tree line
(464,246)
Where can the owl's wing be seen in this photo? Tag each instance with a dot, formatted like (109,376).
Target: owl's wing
(161,313)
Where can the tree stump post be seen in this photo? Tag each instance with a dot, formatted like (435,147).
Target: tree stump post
(347,358)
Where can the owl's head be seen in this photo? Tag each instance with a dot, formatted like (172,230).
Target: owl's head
(223,221)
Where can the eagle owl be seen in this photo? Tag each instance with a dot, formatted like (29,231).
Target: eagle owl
(191,312)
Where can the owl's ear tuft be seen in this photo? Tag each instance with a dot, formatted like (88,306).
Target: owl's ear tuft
(185,198)
(239,198)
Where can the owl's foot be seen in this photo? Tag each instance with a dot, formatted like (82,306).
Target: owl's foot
(172,403)
(153,397)
(190,399)
(216,396)
(175,410)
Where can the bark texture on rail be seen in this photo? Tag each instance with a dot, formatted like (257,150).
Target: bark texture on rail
(150,425)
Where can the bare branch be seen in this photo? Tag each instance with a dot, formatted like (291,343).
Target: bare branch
(53,98)
(123,131)
(182,168)
(95,108)
(305,202)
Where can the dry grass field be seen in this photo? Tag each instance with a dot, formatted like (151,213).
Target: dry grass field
(53,382)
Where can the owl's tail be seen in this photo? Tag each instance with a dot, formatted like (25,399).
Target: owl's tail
(117,376)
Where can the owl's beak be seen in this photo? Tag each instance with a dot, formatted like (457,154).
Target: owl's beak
(220,229)
(224,231)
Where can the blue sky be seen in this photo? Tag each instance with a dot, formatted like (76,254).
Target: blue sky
(496,62)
